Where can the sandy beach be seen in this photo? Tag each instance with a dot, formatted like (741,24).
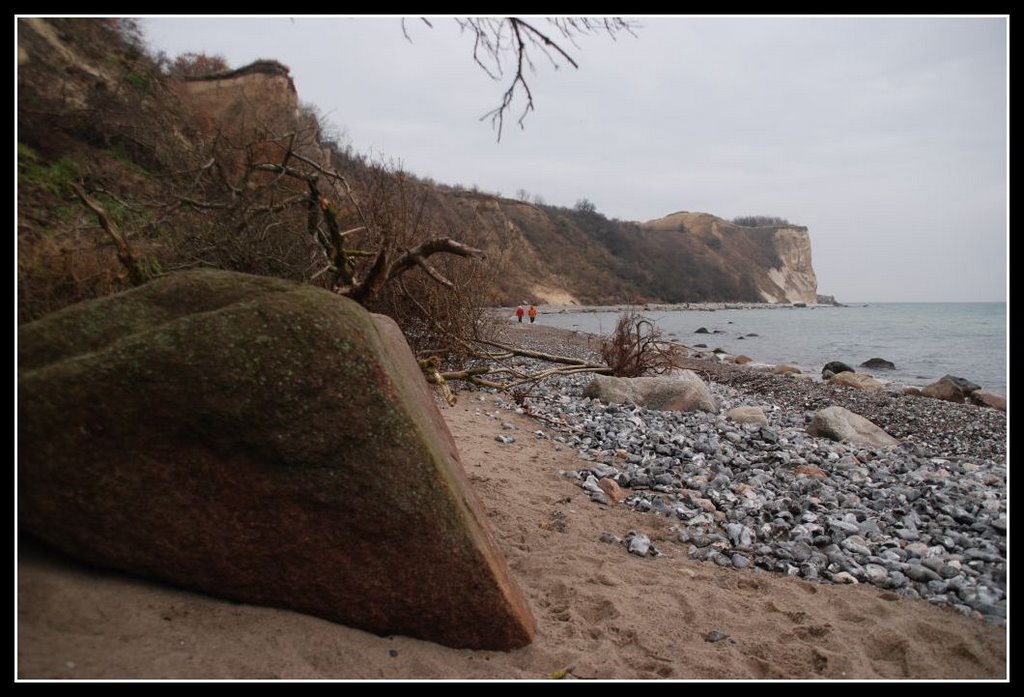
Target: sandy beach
(602,613)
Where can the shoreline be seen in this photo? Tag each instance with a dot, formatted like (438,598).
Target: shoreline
(938,444)
(548,309)
(708,604)
(904,378)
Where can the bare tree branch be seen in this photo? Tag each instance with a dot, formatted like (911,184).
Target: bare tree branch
(500,39)
(124,250)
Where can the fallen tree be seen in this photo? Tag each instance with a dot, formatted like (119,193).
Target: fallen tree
(634,349)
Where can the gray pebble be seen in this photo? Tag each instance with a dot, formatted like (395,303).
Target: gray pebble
(639,545)
(939,498)
(715,635)
(919,572)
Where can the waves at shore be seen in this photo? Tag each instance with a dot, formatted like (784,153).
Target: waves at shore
(924,340)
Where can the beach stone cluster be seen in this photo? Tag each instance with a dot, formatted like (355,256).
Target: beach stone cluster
(921,513)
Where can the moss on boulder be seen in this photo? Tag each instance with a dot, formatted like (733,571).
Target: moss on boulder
(262,441)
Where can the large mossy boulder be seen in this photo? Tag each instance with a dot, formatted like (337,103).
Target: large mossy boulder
(262,441)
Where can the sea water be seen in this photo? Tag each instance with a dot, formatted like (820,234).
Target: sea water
(924,340)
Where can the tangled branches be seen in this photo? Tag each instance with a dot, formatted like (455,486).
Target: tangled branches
(508,45)
(636,348)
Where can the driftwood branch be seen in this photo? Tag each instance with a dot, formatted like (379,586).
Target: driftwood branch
(435,245)
(124,250)
(430,368)
(552,358)
(383,271)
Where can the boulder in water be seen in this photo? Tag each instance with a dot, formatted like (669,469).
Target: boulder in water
(990,399)
(878,364)
(950,389)
(836,367)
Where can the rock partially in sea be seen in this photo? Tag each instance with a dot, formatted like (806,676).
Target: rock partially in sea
(786,369)
(263,441)
(966,385)
(701,330)
(836,367)
(951,389)
(837,423)
(682,391)
(878,364)
(859,381)
(986,398)
(742,359)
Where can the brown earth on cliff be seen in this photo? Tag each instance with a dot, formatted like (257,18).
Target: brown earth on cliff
(168,159)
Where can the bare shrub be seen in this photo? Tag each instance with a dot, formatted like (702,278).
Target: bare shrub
(189,65)
(636,348)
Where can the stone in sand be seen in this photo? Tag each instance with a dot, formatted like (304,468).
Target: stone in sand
(682,391)
(747,415)
(785,369)
(809,471)
(742,359)
(615,492)
(837,423)
(857,380)
(263,441)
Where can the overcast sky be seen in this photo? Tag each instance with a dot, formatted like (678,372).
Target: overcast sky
(886,137)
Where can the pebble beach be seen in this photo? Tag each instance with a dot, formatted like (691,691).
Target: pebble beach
(724,551)
(926,519)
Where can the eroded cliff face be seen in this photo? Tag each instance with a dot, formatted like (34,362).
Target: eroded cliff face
(260,93)
(115,115)
(775,260)
(793,280)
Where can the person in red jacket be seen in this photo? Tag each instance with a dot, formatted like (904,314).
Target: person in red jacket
(520,313)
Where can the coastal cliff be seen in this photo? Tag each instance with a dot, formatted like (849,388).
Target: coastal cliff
(96,108)
(782,272)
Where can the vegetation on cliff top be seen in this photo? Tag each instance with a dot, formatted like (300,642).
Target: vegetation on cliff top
(183,184)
